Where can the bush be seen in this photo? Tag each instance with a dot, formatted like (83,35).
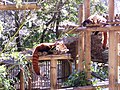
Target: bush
(76,79)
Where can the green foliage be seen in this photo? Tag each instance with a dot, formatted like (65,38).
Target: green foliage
(51,15)
(18,3)
(101,70)
(98,7)
(5,82)
(77,79)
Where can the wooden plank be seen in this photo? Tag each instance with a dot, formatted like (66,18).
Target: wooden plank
(23,7)
(88,53)
(86,8)
(49,57)
(53,74)
(112,61)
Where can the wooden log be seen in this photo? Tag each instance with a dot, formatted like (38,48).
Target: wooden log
(80,47)
(81,51)
(101,29)
(112,61)
(88,53)
(111,9)
(86,8)
(30,79)
(23,7)
(80,14)
(22,87)
(53,74)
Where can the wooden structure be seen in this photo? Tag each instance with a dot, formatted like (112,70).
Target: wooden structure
(27,6)
(53,66)
(23,7)
(5,5)
(84,46)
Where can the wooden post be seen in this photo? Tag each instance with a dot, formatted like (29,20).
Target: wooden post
(80,41)
(88,53)
(112,61)
(86,8)
(81,51)
(80,14)
(111,9)
(87,40)
(53,74)
(30,79)
(118,59)
(22,87)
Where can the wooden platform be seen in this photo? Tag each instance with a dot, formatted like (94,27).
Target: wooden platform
(50,57)
(53,66)
(101,29)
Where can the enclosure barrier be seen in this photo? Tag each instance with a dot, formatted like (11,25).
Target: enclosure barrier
(53,66)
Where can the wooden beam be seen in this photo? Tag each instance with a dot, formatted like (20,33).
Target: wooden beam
(50,57)
(80,46)
(53,74)
(23,7)
(101,29)
(88,53)
(118,58)
(111,9)
(112,61)
(81,51)
(22,86)
(80,14)
(86,8)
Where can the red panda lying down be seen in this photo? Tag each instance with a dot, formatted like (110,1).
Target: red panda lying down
(96,19)
(47,48)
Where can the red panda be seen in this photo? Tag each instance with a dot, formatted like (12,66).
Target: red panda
(96,19)
(47,48)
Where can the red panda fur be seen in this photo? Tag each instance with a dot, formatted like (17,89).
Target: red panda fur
(46,47)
